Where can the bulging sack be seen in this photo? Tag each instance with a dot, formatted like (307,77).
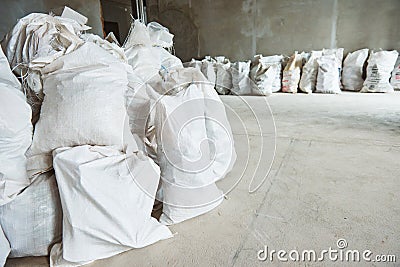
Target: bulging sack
(32,222)
(208,68)
(115,192)
(353,70)
(223,83)
(241,83)
(84,102)
(15,134)
(328,75)
(291,74)
(267,74)
(380,66)
(201,154)
(310,71)
(338,53)
(395,80)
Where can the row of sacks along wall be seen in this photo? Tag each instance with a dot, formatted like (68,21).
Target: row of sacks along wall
(88,140)
(322,71)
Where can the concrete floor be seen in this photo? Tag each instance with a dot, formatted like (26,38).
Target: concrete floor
(336,174)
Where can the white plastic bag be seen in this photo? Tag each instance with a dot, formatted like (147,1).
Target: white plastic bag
(32,221)
(353,69)
(328,75)
(309,74)
(223,83)
(395,80)
(291,74)
(241,83)
(107,197)
(380,66)
(84,102)
(15,134)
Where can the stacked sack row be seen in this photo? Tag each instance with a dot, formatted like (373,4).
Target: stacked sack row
(89,141)
(321,71)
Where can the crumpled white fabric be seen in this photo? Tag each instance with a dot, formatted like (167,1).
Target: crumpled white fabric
(107,197)
(146,54)
(37,40)
(223,83)
(148,60)
(15,134)
(112,48)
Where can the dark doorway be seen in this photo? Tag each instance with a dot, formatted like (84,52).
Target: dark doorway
(110,26)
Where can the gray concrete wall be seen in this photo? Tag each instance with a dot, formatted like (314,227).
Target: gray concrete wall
(12,10)
(240,29)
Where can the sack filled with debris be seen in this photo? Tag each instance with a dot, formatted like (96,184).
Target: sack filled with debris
(379,69)
(291,74)
(203,151)
(15,134)
(32,222)
(309,74)
(115,191)
(84,103)
(208,68)
(145,50)
(223,83)
(395,80)
(353,65)
(266,74)
(328,75)
(338,53)
(241,83)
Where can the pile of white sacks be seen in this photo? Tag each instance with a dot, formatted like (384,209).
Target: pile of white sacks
(90,140)
(318,71)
